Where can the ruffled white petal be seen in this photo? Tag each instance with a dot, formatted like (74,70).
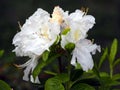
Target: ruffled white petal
(82,53)
(29,67)
(36,35)
(34,81)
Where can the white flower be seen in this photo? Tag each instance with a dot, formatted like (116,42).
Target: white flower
(36,35)
(82,54)
(79,24)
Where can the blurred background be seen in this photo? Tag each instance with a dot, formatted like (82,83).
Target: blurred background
(107,27)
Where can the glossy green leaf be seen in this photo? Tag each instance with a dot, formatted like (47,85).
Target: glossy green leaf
(65,31)
(103,57)
(45,55)
(42,64)
(113,51)
(82,86)
(53,84)
(116,62)
(4,86)
(69,47)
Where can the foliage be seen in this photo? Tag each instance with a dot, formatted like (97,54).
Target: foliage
(77,79)
(68,47)
(4,86)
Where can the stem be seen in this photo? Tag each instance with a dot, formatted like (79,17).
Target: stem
(68,84)
(60,64)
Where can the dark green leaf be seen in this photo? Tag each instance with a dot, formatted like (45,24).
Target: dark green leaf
(53,84)
(82,86)
(107,81)
(89,81)
(65,31)
(1,53)
(104,74)
(116,77)
(96,71)
(76,74)
(45,55)
(103,57)
(104,88)
(62,77)
(4,86)
(116,62)
(113,51)
(42,64)
(69,47)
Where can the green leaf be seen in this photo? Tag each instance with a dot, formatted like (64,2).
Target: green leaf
(104,88)
(103,57)
(116,62)
(42,64)
(89,81)
(116,77)
(1,53)
(107,81)
(104,74)
(65,31)
(113,51)
(53,84)
(45,55)
(95,70)
(69,47)
(63,77)
(51,73)
(4,86)
(82,86)
(76,74)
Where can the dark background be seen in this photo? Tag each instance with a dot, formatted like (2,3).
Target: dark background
(107,27)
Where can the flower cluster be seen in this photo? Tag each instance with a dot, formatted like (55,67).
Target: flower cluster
(41,31)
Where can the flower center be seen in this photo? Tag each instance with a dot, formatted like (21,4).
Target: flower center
(77,35)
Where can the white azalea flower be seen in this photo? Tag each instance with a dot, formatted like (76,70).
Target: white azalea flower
(79,24)
(82,54)
(36,35)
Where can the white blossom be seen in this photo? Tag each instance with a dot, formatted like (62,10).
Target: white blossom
(40,31)
(79,24)
(82,54)
(36,35)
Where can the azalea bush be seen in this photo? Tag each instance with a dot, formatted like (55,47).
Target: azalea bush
(60,53)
